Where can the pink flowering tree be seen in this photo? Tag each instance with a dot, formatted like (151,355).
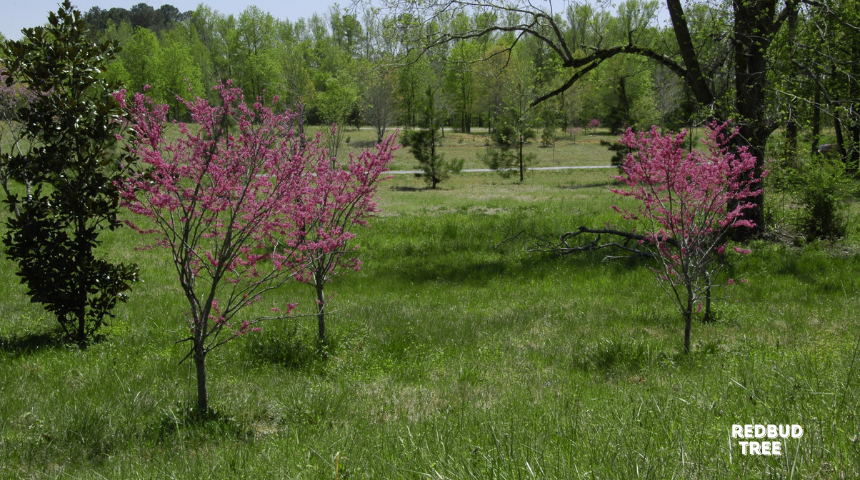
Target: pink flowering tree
(573,132)
(687,205)
(340,197)
(594,123)
(219,196)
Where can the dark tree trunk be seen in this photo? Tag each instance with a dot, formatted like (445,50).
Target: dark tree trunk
(321,309)
(753,32)
(816,120)
(840,139)
(853,128)
(200,363)
(695,79)
(521,159)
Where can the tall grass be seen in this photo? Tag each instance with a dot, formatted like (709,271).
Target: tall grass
(454,356)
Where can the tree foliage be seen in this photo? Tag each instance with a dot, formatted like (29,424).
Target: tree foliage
(340,195)
(237,204)
(687,204)
(423,144)
(219,200)
(72,165)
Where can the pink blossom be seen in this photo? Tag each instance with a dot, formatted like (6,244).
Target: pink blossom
(687,203)
(241,209)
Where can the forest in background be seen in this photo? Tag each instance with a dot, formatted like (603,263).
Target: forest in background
(373,67)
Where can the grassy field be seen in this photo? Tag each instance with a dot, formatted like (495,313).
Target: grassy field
(454,355)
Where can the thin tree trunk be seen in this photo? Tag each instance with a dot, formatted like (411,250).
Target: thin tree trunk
(688,320)
(84,261)
(840,139)
(200,363)
(521,160)
(321,309)
(708,302)
(816,120)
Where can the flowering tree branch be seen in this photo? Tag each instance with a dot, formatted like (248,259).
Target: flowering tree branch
(220,196)
(687,205)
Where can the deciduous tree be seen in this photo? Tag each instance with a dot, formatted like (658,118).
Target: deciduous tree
(220,197)
(340,195)
(687,203)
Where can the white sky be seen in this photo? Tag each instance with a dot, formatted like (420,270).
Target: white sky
(18,14)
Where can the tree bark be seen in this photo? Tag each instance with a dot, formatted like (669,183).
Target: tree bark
(688,323)
(816,120)
(688,320)
(321,307)
(753,33)
(694,77)
(521,159)
(200,363)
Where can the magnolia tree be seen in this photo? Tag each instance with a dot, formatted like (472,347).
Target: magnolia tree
(68,165)
(687,205)
(340,197)
(224,198)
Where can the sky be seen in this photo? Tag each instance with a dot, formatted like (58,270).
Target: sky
(18,14)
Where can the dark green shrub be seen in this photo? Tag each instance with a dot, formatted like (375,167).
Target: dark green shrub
(72,125)
(820,186)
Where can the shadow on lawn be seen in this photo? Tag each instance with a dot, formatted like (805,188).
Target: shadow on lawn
(291,347)
(409,189)
(29,343)
(590,185)
(417,269)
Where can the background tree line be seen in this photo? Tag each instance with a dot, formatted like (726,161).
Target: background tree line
(374,68)
(784,67)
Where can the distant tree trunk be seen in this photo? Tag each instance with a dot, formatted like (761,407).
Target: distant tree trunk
(791,126)
(853,129)
(816,120)
(521,158)
(791,138)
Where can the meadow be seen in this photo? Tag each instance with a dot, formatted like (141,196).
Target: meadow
(454,353)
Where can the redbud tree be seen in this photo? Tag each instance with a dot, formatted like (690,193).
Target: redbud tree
(340,196)
(224,198)
(687,204)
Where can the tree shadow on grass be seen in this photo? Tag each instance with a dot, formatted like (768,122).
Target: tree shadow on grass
(589,185)
(186,420)
(417,267)
(290,347)
(475,272)
(409,189)
(17,345)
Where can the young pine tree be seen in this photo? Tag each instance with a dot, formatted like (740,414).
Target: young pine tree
(424,142)
(507,156)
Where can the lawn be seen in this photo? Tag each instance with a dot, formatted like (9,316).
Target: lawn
(456,354)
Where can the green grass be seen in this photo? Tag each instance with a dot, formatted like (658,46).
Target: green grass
(586,150)
(454,356)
